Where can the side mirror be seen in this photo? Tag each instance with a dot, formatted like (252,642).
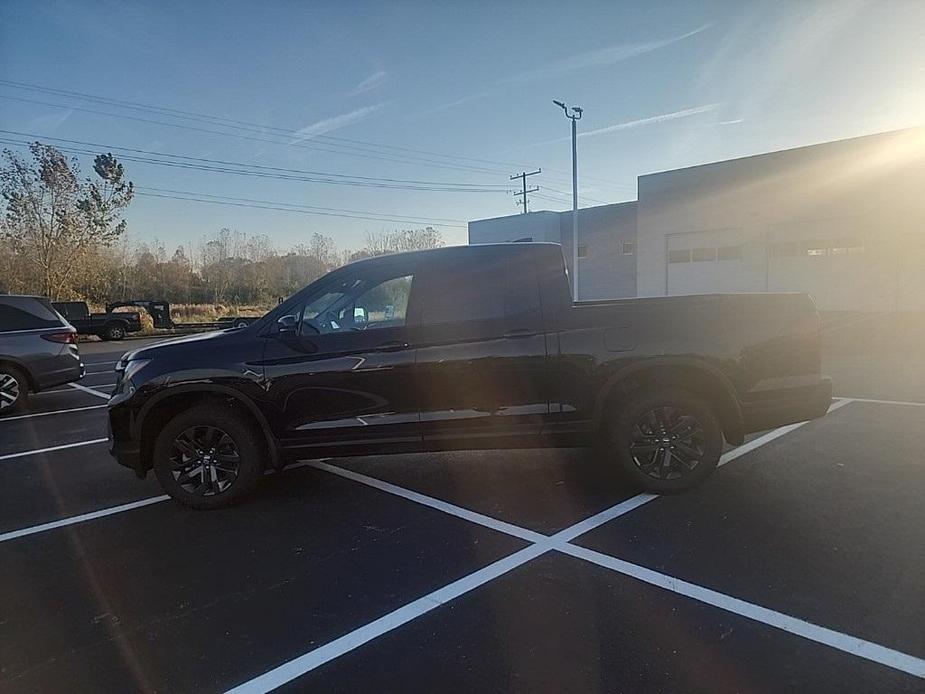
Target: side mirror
(360,317)
(287,324)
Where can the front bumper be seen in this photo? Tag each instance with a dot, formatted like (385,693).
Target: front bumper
(788,406)
(122,447)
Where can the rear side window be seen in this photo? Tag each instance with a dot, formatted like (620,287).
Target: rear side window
(483,286)
(27,315)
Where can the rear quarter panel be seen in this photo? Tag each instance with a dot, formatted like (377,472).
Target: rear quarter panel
(757,343)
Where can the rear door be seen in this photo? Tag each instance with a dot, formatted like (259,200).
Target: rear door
(481,357)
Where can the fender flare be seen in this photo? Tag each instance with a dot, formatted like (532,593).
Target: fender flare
(214,389)
(733,421)
(20,366)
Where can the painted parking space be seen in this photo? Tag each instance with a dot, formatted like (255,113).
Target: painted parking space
(50,486)
(173,600)
(543,490)
(41,432)
(559,624)
(824,523)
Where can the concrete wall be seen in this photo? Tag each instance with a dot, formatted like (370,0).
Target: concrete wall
(844,221)
(604,272)
(536,226)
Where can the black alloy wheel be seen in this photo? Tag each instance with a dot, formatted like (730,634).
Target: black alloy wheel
(205,460)
(209,456)
(668,443)
(664,440)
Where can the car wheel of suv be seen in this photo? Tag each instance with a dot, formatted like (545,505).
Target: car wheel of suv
(13,390)
(115,332)
(666,441)
(209,457)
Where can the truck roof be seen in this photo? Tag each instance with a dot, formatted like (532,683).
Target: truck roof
(452,250)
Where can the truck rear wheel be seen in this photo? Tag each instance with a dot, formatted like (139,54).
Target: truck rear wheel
(209,457)
(665,441)
(114,332)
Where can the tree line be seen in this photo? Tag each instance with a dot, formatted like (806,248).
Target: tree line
(64,236)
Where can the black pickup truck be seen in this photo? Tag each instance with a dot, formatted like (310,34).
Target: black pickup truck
(106,326)
(471,347)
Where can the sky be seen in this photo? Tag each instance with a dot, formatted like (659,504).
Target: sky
(412,113)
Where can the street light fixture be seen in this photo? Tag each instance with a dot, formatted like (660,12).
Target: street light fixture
(573,114)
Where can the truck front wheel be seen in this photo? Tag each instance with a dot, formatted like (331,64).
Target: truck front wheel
(666,441)
(209,457)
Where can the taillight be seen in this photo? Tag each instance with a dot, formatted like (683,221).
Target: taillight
(65,338)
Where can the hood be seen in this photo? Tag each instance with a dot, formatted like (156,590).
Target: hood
(208,340)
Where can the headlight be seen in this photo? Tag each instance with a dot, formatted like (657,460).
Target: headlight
(126,370)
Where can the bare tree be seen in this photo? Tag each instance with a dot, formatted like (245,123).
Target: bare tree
(53,219)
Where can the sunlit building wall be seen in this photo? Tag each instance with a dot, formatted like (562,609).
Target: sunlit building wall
(843,221)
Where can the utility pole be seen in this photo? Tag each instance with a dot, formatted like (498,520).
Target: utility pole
(523,177)
(573,113)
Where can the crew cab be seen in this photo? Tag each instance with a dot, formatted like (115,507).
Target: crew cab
(106,326)
(470,347)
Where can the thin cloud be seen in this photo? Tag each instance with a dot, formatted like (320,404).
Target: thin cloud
(453,104)
(374,80)
(604,56)
(335,123)
(640,122)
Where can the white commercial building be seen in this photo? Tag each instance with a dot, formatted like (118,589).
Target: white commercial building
(843,221)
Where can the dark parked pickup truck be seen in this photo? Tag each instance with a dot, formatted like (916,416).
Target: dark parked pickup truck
(106,326)
(470,347)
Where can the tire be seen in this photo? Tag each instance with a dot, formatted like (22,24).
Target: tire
(194,452)
(667,424)
(242,324)
(14,389)
(114,332)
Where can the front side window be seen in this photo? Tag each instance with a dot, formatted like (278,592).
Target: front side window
(357,303)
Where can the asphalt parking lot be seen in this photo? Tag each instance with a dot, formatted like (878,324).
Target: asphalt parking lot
(799,567)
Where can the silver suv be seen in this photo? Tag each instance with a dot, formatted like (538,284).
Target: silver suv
(38,349)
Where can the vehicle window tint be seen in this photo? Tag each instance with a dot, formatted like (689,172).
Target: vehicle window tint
(27,315)
(483,286)
(384,305)
(357,303)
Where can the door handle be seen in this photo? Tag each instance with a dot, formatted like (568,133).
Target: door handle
(517,334)
(393,346)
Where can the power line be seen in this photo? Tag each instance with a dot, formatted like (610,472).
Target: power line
(276,176)
(118,148)
(279,208)
(305,145)
(359,145)
(397,217)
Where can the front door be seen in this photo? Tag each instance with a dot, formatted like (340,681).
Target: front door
(482,372)
(342,381)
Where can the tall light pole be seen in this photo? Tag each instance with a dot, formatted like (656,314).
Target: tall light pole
(574,114)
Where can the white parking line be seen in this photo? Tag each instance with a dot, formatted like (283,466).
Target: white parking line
(908,403)
(68,390)
(97,393)
(45,414)
(36,451)
(13,534)
(828,637)
(309,661)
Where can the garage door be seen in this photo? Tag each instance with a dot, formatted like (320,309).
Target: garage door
(720,260)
